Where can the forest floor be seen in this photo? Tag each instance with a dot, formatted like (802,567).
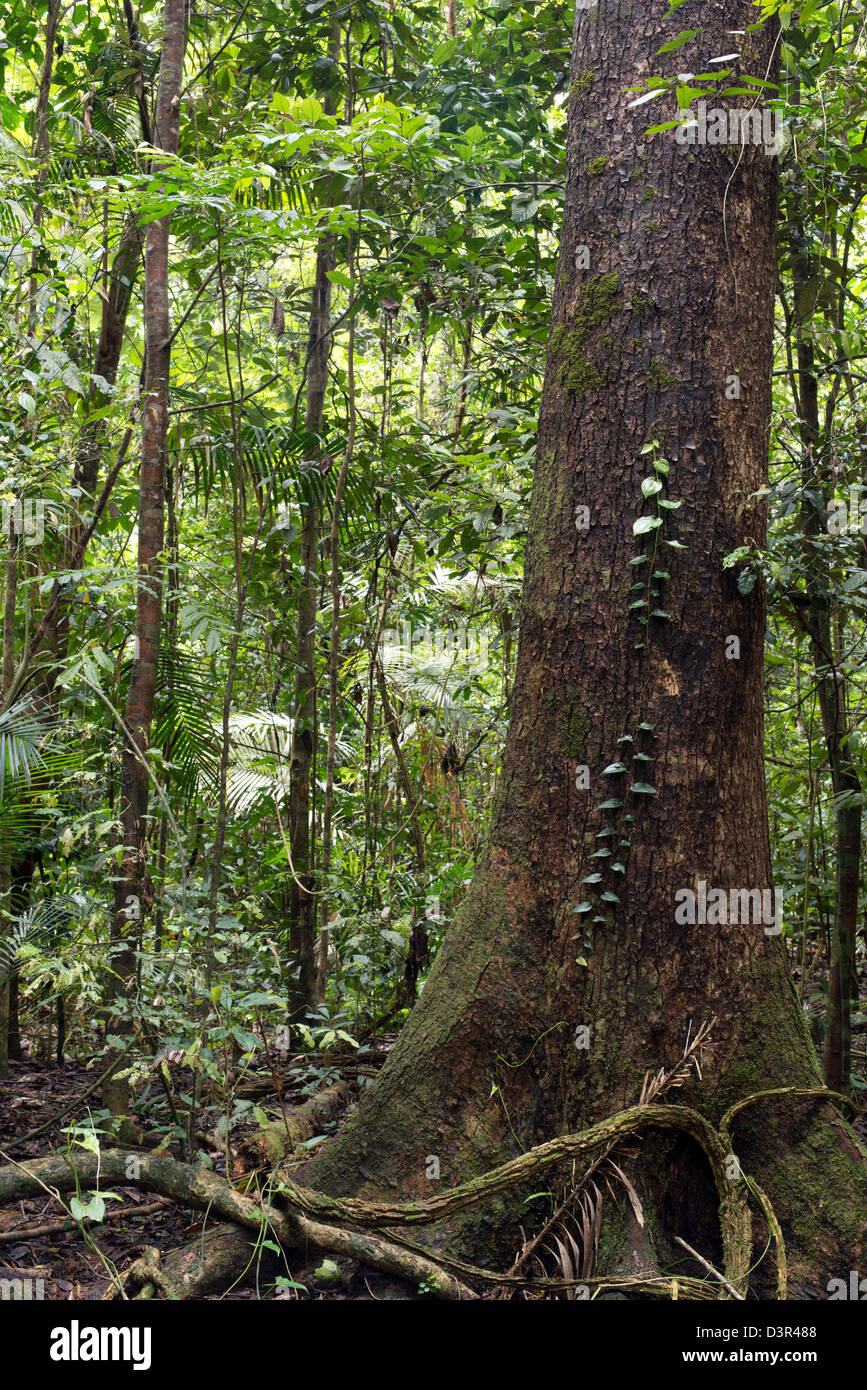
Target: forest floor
(41,1100)
(37,1243)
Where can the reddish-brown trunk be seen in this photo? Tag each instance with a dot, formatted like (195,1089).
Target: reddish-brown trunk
(661,331)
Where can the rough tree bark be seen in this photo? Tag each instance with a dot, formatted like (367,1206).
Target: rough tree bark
(664,334)
(132,884)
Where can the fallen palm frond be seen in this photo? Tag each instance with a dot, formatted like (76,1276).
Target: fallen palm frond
(680,1073)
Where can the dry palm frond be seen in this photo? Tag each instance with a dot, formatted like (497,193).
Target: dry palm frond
(631,1193)
(655,1086)
(591,1227)
(574,1227)
(575,1258)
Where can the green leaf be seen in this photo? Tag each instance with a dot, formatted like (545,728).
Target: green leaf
(645,524)
(609,897)
(685,36)
(611,805)
(444,51)
(686,95)
(650,487)
(643,789)
(592,878)
(612,769)
(669,505)
(524,209)
(93,1210)
(661,466)
(663,125)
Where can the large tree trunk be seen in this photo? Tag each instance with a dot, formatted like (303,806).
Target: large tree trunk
(132,889)
(667,336)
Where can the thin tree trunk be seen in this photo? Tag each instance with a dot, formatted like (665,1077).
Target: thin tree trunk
(91,442)
(9,602)
(303,975)
(417,953)
(8,676)
(116,299)
(39,145)
(831,685)
(302,992)
(133,887)
(242,583)
(334,646)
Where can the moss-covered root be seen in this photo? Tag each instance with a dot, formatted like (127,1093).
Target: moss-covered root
(282,1138)
(207,1191)
(735,1219)
(211,1263)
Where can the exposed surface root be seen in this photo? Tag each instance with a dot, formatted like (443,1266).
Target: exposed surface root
(297,1217)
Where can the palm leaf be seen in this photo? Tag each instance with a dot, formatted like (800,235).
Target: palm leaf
(44,924)
(22,741)
(184,723)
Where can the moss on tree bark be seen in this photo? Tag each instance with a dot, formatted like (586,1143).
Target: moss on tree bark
(487,1065)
